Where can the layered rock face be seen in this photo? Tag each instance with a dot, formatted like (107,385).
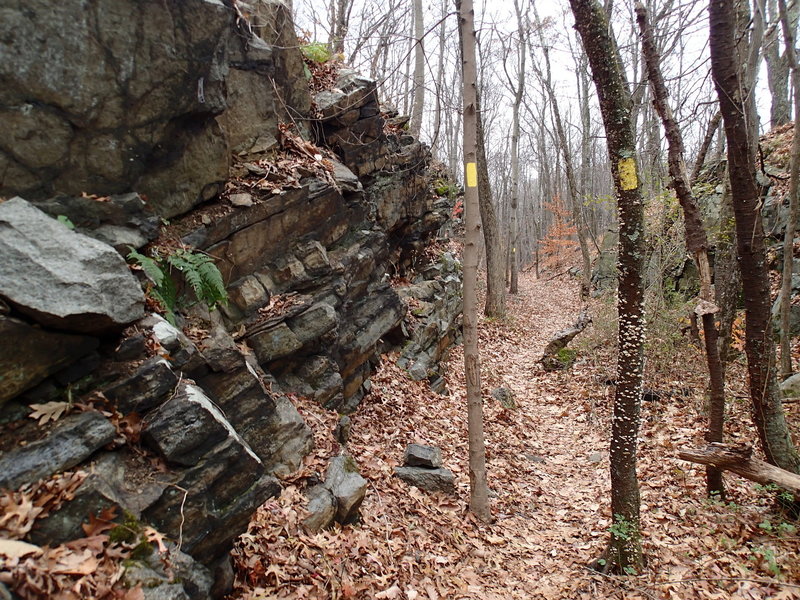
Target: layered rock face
(122,133)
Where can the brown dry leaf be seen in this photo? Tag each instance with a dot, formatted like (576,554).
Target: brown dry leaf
(49,411)
(155,537)
(17,549)
(391,593)
(19,514)
(101,523)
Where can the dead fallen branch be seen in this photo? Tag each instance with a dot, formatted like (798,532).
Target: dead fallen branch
(739,460)
(553,358)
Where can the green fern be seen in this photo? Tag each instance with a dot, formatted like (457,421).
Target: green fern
(202,275)
(150,267)
(199,271)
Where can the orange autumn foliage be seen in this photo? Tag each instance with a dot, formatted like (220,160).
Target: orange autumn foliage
(561,238)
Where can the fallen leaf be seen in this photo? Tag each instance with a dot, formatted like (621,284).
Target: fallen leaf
(17,548)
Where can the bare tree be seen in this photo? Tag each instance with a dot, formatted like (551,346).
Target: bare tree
(788,235)
(479,492)
(625,550)
(696,242)
(419,70)
(519,90)
(735,100)
(779,64)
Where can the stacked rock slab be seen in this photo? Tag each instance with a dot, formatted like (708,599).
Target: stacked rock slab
(105,153)
(422,468)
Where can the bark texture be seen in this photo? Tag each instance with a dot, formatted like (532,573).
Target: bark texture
(415,123)
(495,306)
(768,414)
(479,491)
(625,550)
(696,242)
(788,235)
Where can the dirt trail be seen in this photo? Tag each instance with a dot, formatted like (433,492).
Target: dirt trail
(548,471)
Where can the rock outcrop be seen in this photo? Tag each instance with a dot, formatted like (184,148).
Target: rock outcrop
(124,136)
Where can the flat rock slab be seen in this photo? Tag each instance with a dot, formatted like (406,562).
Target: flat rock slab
(423,456)
(29,354)
(61,278)
(110,484)
(143,390)
(432,480)
(185,427)
(72,441)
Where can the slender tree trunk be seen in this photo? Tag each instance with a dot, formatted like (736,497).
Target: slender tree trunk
(778,66)
(479,491)
(437,116)
(415,124)
(704,146)
(518,92)
(728,282)
(625,549)
(768,414)
(696,242)
(340,21)
(495,306)
(788,236)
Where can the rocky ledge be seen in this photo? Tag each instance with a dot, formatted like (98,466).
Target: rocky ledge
(189,427)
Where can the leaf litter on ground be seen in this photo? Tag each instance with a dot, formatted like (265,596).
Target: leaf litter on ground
(550,496)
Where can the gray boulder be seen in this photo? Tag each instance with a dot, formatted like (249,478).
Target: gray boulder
(423,456)
(347,486)
(322,506)
(72,441)
(432,480)
(505,397)
(217,496)
(121,220)
(314,322)
(61,278)
(790,388)
(177,573)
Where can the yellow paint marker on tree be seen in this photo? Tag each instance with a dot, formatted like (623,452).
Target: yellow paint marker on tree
(472,175)
(627,174)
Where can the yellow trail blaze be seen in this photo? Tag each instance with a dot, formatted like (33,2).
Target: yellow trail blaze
(472,175)
(627,174)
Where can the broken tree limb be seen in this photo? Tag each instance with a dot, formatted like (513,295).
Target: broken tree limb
(551,361)
(739,460)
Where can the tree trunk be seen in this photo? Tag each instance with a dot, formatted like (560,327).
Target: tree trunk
(518,92)
(788,236)
(778,66)
(704,146)
(696,242)
(479,491)
(340,20)
(768,414)
(625,549)
(495,265)
(415,124)
(437,116)
(728,282)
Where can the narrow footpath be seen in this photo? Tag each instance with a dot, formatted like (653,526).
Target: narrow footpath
(548,473)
